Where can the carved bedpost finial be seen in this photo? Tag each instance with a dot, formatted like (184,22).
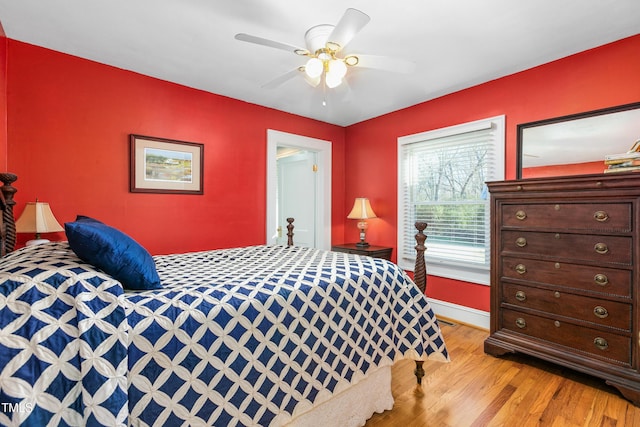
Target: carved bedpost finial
(290,232)
(420,271)
(8,220)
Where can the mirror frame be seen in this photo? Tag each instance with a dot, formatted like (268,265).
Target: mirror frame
(521,127)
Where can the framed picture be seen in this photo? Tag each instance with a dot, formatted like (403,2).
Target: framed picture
(159,165)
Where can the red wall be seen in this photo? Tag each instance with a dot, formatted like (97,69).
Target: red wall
(69,120)
(594,79)
(560,170)
(3,100)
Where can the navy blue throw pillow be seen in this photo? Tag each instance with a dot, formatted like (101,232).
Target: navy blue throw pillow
(113,252)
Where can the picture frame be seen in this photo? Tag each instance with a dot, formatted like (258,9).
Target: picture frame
(160,165)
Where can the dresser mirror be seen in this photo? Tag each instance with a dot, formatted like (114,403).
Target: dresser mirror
(576,144)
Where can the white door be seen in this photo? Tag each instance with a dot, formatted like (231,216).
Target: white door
(297,196)
(294,191)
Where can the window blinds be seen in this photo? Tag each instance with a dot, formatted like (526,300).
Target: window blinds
(442,182)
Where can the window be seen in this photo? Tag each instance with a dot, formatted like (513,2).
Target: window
(441,180)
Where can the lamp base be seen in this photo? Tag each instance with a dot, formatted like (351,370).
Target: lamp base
(362,226)
(37,242)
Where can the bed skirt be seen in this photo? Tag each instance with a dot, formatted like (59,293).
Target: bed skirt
(351,407)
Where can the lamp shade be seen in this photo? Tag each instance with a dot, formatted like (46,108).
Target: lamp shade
(37,218)
(338,68)
(314,68)
(361,209)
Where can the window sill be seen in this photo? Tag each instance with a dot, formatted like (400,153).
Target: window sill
(462,272)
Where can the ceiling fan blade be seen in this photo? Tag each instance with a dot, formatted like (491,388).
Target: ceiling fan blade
(349,25)
(271,43)
(281,79)
(386,63)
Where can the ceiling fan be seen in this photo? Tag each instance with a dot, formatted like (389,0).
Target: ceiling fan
(327,63)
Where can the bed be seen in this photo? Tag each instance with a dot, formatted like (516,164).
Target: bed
(253,336)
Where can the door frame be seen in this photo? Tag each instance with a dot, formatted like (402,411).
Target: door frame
(277,138)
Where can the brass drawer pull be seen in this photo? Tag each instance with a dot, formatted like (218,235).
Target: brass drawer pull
(521,215)
(601,343)
(521,296)
(601,248)
(601,216)
(521,242)
(601,279)
(600,312)
(521,269)
(521,323)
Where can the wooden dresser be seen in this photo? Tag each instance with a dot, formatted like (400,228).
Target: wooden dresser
(565,274)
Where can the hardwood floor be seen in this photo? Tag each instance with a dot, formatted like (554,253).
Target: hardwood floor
(476,390)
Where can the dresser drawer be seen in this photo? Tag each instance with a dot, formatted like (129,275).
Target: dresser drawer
(605,345)
(613,314)
(569,216)
(588,247)
(610,281)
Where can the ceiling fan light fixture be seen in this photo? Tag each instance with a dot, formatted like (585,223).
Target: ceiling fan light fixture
(324,55)
(337,68)
(351,60)
(332,80)
(314,68)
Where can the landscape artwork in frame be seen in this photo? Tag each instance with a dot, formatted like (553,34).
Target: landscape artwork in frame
(159,165)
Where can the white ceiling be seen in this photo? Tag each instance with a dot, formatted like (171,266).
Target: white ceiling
(455,44)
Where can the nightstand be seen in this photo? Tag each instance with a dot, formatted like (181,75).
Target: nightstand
(383,252)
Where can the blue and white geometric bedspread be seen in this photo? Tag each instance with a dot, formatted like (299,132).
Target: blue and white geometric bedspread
(247,336)
(63,341)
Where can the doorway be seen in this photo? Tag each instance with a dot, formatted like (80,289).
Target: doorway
(298,186)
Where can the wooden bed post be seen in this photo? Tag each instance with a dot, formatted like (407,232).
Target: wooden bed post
(420,279)
(420,271)
(8,220)
(290,232)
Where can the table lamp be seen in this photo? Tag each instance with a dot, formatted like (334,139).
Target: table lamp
(362,210)
(37,218)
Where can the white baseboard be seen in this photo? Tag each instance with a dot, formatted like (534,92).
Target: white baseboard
(460,313)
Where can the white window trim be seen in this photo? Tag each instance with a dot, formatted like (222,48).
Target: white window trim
(438,266)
